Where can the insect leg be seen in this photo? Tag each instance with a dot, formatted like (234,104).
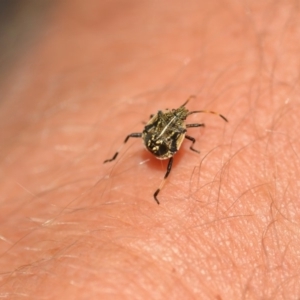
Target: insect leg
(135,135)
(195,125)
(166,175)
(193,142)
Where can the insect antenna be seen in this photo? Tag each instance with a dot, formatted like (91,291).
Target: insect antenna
(189,98)
(207,112)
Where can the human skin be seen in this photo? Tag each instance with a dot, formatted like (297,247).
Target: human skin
(227,226)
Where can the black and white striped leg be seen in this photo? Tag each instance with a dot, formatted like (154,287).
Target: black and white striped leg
(134,135)
(169,167)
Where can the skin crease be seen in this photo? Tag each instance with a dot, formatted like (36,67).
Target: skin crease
(228,223)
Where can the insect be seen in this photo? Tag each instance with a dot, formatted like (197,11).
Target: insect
(164,134)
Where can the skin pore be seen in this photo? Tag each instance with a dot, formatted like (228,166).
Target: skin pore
(227,226)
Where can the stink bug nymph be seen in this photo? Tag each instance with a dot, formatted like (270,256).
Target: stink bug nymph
(164,134)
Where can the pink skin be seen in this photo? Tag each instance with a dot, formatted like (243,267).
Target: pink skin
(227,226)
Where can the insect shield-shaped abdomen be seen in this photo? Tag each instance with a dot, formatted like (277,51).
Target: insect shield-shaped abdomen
(157,146)
(163,135)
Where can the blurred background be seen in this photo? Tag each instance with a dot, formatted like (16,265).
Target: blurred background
(20,23)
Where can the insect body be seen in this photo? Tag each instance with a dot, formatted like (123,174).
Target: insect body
(164,134)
